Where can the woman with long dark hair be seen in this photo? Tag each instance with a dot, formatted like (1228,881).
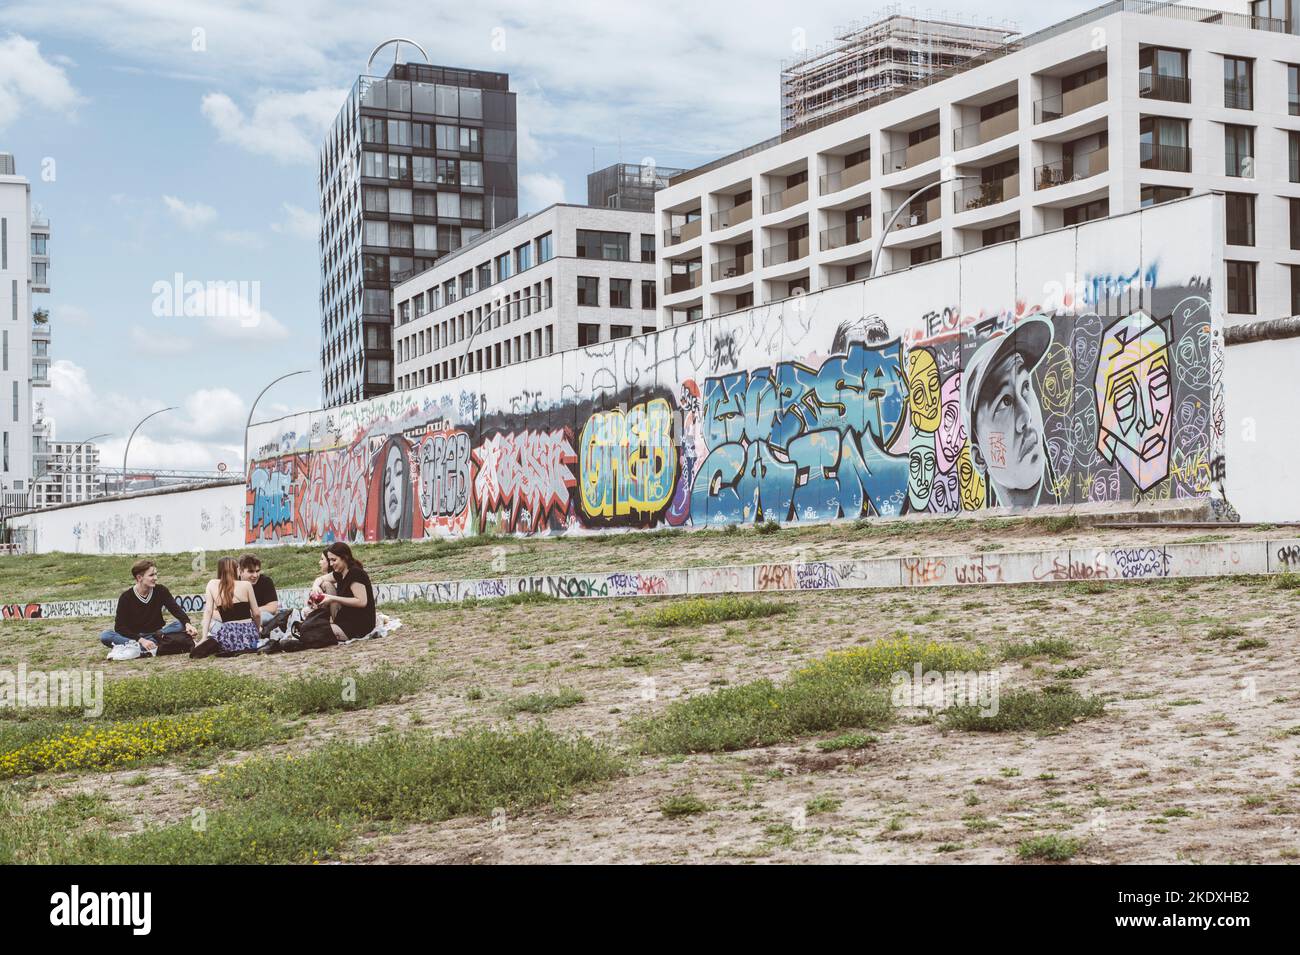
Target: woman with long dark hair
(353,606)
(234,604)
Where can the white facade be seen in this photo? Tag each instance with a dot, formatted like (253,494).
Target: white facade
(514,294)
(71,477)
(747,230)
(15,336)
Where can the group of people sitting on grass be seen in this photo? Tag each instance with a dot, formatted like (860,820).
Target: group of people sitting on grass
(242,612)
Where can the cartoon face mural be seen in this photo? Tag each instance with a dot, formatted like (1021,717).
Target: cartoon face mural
(920,476)
(923,389)
(944,497)
(1006,418)
(969,482)
(1134,398)
(951,436)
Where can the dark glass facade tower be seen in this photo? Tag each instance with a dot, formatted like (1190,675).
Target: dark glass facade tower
(417,164)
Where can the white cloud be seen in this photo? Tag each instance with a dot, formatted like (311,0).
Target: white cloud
(29,79)
(298,222)
(147,343)
(191,215)
(211,410)
(241,237)
(285,126)
(539,190)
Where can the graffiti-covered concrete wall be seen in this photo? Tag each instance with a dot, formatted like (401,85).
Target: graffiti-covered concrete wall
(207,518)
(1079,366)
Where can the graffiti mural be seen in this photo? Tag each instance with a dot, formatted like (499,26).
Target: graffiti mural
(983,381)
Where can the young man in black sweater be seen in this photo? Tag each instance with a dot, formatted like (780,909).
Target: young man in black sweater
(139,609)
(250,569)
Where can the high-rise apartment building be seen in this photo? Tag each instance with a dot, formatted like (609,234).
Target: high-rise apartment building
(418,163)
(24,334)
(869,62)
(1128,105)
(626,185)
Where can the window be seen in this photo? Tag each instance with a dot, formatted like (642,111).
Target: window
(603,245)
(484,274)
(1087,211)
(1241,287)
(399,235)
(620,331)
(588,290)
(1239,210)
(1163,144)
(1002,233)
(1293,155)
(422,168)
(422,135)
(448,172)
(1237,92)
(471,173)
(1293,89)
(913,138)
(1294,215)
(523,257)
(372,130)
(1239,151)
(620,296)
(926,253)
(399,132)
(647,329)
(449,205)
(503,266)
(426,238)
(1295,290)
(425,204)
(544,248)
(647,248)
(648,290)
(374,199)
(469,140)
(399,167)
(1154,195)
(374,165)
(588,334)
(399,201)
(1162,74)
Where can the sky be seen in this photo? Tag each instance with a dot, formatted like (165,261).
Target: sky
(171,142)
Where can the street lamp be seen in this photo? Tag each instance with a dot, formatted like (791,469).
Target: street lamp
(880,245)
(127,449)
(487,317)
(248,424)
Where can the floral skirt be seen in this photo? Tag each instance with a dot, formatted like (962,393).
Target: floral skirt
(237,636)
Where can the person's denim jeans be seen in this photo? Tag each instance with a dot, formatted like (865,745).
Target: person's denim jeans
(111,638)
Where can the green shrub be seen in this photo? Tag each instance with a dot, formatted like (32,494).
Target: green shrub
(545,702)
(1025,710)
(1049,848)
(687,804)
(349,690)
(1054,647)
(699,611)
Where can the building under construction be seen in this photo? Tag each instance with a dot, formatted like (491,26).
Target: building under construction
(628,185)
(867,61)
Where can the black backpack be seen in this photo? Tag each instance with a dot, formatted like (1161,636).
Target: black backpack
(315,632)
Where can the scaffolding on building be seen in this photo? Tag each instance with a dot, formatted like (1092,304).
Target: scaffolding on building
(871,59)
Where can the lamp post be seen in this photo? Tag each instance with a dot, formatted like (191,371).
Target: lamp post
(880,245)
(487,317)
(127,449)
(81,444)
(249,423)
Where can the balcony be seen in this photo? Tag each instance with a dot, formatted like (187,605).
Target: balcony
(682,281)
(1167,158)
(919,213)
(844,235)
(790,250)
(975,134)
(1067,104)
(684,232)
(1237,94)
(988,193)
(913,155)
(779,201)
(726,218)
(846,177)
(730,268)
(1072,168)
(1171,89)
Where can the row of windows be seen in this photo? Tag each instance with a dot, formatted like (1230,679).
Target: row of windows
(403,168)
(523,347)
(512,308)
(522,258)
(620,292)
(446,205)
(400,132)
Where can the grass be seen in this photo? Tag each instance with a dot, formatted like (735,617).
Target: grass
(1286,581)
(1252,643)
(1054,647)
(699,611)
(1041,710)
(545,702)
(822,804)
(846,741)
(1223,631)
(877,662)
(349,690)
(683,804)
(1048,849)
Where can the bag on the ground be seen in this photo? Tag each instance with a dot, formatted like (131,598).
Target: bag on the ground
(279,621)
(315,631)
(171,643)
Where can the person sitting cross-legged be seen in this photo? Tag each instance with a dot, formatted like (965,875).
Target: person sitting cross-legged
(140,611)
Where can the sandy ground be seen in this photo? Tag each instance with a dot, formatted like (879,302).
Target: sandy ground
(1194,761)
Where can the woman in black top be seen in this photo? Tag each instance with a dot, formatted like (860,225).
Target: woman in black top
(353,607)
(234,603)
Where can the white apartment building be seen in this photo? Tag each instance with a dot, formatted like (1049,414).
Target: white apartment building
(72,475)
(1130,104)
(24,334)
(561,278)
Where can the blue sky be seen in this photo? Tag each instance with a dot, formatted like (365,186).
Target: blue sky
(181,138)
